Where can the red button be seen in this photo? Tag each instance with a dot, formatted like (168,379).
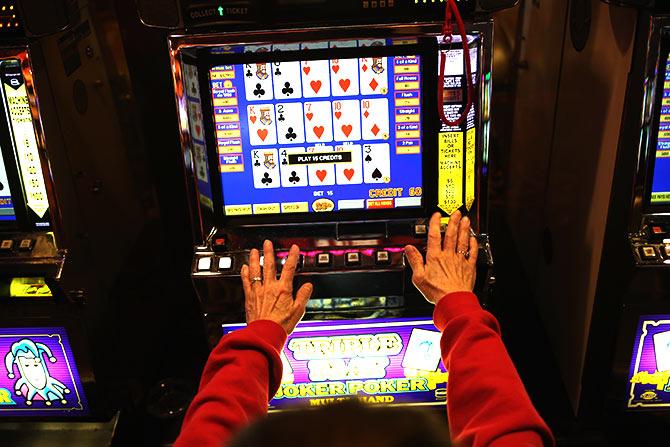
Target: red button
(657,230)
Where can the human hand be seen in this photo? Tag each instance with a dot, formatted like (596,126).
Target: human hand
(450,264)
(269,298)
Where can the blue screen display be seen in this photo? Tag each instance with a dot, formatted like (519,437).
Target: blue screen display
(660,189)
(319,135)
(6,206)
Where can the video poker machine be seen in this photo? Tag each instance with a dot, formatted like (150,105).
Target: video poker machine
(316,123)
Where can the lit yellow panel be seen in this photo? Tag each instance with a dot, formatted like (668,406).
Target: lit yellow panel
(450,171)
(266,208)
(237,210)
(295,207)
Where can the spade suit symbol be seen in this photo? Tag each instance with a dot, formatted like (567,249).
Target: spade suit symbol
(376,174)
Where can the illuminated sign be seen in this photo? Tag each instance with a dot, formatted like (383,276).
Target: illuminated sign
(39,375)
(649,379)
(378,361)
(17,106)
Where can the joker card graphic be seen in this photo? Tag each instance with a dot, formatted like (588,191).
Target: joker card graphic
(41,377)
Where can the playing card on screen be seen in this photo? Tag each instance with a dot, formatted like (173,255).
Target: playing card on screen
(265,168)
(290,123)
(258,81)
(349,173)
(286,80)
(315,78)
(374,75)
(292,174)
(321,173)
(662,350)
(318,122)
(376,163)
(344,77)
(375,119)
(346,120)
(261,124)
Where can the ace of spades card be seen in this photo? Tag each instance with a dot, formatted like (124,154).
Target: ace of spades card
(375,119)
(315,78)
(373,75)
(258,81)
(376,163)
(321,173)
(346,120)
(318,122)
(261,124)
(265,168)
(290,123)
(349,173)
(292,174)
(344,77)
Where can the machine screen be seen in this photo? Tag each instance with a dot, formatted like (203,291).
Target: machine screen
(319,135)
(649,378)
(6,206)
(40,376)
(660,189)
(381,361)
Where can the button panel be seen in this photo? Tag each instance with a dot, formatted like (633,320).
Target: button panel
(420,230)
(26,244)
(647,252)
(6,244)
(382,257)
(225,263)
(323,259)
(352,258)
(204,264)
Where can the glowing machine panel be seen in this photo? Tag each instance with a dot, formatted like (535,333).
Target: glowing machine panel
(20,120)
(379,361)
(40,376)
(328,135)
(649,378)
(660,188)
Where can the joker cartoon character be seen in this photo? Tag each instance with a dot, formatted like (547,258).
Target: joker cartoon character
(33,373)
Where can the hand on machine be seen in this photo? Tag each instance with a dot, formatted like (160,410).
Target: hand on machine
(451,264)
(269,298)
(450,267)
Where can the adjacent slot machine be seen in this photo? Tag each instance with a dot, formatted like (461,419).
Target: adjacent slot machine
(66,189)
(591,221)
(40,379)
(313,127)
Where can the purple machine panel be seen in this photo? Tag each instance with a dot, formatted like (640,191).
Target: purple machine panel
(649,379)
(39,375)
(382,361)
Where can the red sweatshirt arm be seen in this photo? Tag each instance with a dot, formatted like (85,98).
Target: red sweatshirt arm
(237,373)
(487,404)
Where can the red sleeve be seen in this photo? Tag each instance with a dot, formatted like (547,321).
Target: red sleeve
(234,385)
(487,404)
